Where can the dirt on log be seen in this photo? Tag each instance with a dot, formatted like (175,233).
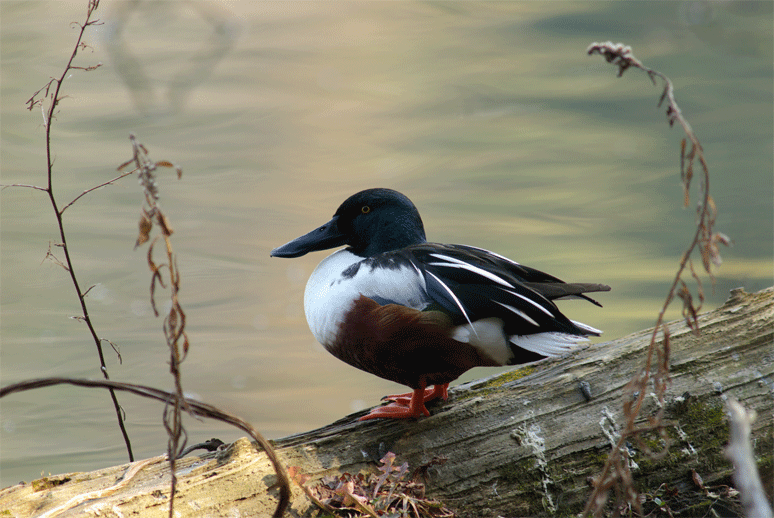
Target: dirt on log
(522,443)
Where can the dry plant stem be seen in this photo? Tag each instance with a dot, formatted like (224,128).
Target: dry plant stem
(174,329)
(174,322)
(704,238)
(198,408)
(741,454)
(56,84)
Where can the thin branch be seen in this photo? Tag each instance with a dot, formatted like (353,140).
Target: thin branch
(53,258)
(87,191)
(199,408)
(116,349)
(51,91)
(3,186)
(33,101)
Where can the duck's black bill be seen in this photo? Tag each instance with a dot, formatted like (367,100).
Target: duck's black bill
(321,238)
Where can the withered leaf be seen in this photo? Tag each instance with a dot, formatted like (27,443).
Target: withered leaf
(167,163)
(687,184)
(163,222)
(713,209)
(699,286)
(146,225)
(697,479)
(721,238)
(295,474)
(689,311)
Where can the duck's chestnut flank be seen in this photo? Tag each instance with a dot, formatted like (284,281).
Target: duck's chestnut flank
(421,313)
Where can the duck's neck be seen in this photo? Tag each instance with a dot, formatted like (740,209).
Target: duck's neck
(391,233)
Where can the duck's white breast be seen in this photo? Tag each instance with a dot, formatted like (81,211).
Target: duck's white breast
(330,293)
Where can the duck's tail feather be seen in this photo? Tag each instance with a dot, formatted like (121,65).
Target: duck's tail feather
(564,290)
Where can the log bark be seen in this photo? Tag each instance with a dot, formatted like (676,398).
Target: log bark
(522,443)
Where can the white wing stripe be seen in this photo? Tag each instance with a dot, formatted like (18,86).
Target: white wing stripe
(587,327)
(416,268)
(453,296)
(471,268)
(534,303)
(447,258)
(519,313)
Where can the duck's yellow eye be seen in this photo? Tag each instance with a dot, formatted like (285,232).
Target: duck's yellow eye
(365,209)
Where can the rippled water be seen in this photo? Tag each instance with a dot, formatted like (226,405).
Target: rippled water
(490,116)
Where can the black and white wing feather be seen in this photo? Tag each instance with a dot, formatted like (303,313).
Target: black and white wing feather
(472,284)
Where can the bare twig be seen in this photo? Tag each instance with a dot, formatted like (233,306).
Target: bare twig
(87,191)
(197,407)
(3,186)
(616,474)
(53,258)
(51,93)
(116,349)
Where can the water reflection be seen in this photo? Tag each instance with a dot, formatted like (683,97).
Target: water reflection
(218,33)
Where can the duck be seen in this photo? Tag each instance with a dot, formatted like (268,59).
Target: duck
(420,313)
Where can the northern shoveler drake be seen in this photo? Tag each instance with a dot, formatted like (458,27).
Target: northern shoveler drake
(420,313)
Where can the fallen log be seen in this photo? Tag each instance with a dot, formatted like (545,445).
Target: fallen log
(523,443)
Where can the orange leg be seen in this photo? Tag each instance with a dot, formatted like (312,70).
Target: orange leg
(438,391)
(410,405)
